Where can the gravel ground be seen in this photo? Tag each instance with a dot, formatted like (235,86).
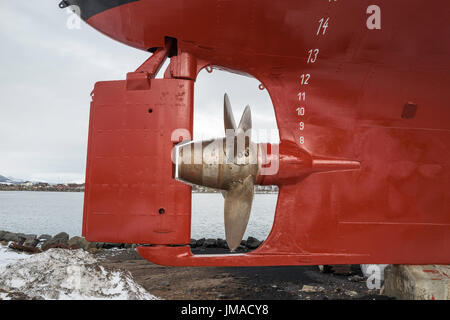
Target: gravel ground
(236,283)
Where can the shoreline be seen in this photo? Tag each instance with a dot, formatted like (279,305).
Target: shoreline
(35,244)
(82,191)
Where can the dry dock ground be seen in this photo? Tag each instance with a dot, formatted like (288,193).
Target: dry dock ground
(237,283)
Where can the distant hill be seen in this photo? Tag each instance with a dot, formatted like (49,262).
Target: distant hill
(11,180)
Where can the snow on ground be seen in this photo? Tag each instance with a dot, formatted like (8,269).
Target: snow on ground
(59,274)
(7,255)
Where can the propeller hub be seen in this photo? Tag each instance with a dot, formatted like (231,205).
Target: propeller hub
(206,163)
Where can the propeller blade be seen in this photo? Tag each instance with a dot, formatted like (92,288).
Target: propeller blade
(246,119)
(230,124)
(238,204)
(228,117)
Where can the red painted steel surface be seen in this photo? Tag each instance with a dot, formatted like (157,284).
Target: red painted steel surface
(130,193)
(380,98)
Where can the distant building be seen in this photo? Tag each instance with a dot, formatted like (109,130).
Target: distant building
(41,185)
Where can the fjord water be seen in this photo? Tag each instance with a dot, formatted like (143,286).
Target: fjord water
(54,212)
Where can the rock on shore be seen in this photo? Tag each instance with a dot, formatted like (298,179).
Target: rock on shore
(16,237)
(34,244)
(246,245)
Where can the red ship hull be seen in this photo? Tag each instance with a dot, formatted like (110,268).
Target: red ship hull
(377,97)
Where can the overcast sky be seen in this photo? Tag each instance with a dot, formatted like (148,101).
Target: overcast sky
(47,74)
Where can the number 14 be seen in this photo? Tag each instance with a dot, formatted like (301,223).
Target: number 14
(323,24)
